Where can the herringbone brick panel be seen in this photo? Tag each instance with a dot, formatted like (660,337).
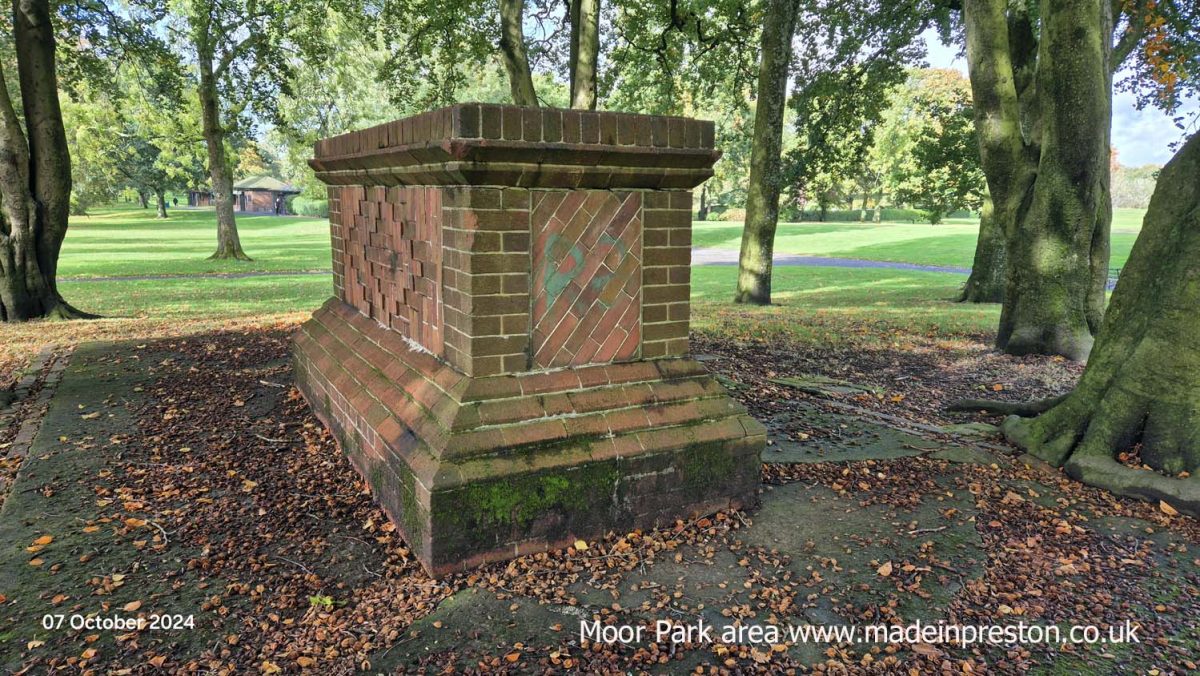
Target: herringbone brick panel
(586,291)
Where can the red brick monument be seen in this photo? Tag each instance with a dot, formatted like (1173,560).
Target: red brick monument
(504,359)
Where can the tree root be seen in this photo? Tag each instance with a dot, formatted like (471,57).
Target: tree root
(1107,473)
(64,311)
(1102,471)
(230,256)
(1023,409)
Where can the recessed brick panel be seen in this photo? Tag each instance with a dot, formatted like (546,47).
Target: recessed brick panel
(391,258)
(587,277)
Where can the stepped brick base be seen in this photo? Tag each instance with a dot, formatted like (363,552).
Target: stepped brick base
(483,469)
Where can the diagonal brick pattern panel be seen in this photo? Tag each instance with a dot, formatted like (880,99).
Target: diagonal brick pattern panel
(587,283)
(387,247)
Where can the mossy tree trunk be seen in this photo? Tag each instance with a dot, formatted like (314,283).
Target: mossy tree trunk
(585,52)
(986,283)
(1141,387)
(512,50)
(766,162)
(35,175)
(1043,102)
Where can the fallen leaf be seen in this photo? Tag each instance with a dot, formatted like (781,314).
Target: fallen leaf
(1167,509)
(886,569)
(132,606)
(44,540)
(305,661)
(926,650)
(512,657)
(581,546)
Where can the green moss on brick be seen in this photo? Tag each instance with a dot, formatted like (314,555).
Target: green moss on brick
(707,466)
(410,509)
(517,501)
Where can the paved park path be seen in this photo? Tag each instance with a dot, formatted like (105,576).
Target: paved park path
(730,257)
(699,257)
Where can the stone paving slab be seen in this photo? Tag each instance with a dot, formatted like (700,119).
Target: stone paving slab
(71,443)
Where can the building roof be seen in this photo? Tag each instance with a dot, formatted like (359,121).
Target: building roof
(264,183)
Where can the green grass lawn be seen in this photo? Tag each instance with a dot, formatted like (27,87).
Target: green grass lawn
(832,306)
(126,240)
(949,244)
(199,297)
(829,305)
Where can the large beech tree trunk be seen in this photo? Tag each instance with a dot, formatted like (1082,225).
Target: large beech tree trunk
(585,52)
(1043,111)
(986,283)
(35,175)
(512,49)
(766,162)
(229,245)
(1142,383)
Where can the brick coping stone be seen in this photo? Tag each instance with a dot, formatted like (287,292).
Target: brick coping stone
(477,250)
(490,144)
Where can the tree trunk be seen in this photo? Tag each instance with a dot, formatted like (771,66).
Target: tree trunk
(585,52)
(229,245)
(161,198)
(143,199)
(766,165)
(512,48)
(986,283)
(1142,383)
(35,175)
(702,214)
(1044,144)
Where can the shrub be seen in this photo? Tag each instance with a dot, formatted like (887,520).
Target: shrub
(793,215)
(304,206)
(728,214)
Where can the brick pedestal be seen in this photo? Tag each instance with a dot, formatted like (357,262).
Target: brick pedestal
(504,359)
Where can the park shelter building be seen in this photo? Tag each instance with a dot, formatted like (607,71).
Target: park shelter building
(255,195)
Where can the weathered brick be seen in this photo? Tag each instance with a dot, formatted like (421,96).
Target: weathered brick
(536,240)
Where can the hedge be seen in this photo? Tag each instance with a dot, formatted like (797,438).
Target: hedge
(303,206)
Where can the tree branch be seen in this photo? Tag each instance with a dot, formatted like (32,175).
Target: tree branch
(1134,31)
(233,53)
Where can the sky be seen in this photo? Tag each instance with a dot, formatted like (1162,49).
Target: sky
(1140,136)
